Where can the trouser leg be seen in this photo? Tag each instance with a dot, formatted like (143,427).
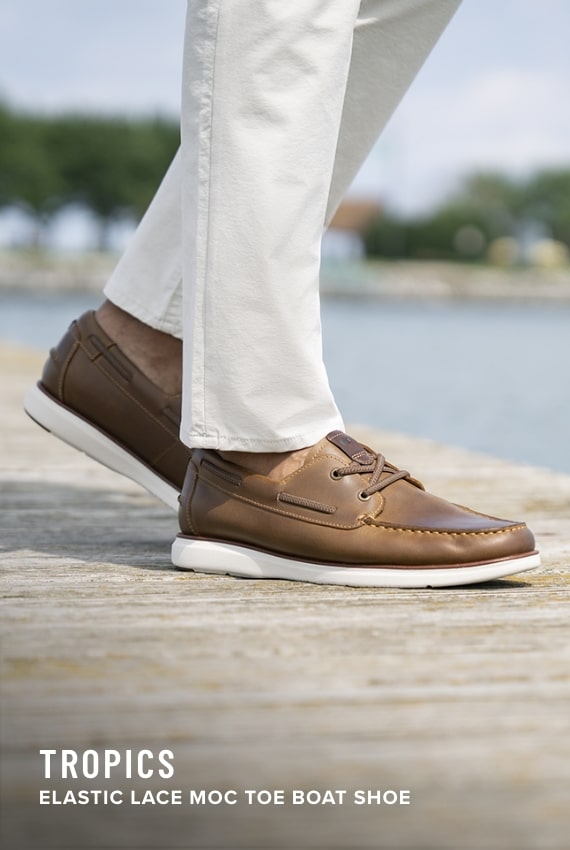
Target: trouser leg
(392,40)
(263,92)
(279,395)
(147,281)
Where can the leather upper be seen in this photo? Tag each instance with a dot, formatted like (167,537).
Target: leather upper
(88,373)
(325,512)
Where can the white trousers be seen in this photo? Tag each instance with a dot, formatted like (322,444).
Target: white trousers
(281,102)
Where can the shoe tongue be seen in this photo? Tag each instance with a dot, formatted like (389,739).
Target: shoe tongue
(351,448)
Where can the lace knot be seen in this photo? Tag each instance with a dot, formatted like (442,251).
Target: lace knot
(377,468)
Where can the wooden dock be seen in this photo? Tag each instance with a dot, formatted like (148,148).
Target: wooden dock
(460,697)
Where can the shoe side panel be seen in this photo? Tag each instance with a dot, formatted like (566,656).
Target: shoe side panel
(236,513)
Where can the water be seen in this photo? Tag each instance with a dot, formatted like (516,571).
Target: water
(489,377)
(38,321)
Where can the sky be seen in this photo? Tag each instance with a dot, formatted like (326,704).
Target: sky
(493,95)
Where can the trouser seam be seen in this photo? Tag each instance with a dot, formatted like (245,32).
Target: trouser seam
(205,221)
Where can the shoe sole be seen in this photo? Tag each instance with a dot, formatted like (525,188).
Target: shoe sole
(70,427)
(210,556)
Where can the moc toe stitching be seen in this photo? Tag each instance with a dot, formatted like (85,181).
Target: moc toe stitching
(466,533)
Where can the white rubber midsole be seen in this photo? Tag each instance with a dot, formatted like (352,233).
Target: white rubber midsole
(75,431)
(210,556)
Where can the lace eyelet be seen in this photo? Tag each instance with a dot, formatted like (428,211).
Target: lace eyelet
(335,475)
(363,496)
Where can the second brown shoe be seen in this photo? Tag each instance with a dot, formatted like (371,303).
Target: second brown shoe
(94,398)
(347,517)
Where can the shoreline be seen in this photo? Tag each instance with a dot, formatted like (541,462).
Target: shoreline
(435,280)
(440,280)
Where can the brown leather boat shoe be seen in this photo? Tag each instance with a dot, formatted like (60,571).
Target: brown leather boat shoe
(346,517)
(94,398)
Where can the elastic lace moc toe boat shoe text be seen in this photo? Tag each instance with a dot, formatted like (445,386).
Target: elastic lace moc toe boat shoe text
(346,517)
(94,398)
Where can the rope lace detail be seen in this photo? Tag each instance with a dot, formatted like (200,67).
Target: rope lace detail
(377,468)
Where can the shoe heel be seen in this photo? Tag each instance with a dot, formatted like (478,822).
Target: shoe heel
(68,426)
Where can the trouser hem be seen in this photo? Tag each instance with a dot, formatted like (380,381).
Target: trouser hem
(222,442)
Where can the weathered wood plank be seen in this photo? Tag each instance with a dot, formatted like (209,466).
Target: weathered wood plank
(460,695)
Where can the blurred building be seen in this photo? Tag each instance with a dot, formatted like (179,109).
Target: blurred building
(344,240)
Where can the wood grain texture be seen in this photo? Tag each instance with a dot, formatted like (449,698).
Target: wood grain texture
(460,695)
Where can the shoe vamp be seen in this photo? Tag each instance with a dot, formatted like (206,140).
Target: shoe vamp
(406,506)
(401,504)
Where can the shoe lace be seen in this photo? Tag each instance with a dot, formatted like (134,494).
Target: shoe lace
(377,467)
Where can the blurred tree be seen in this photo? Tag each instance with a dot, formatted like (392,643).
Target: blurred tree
(386,236)
(154,148)
(496,198)
(435,236)
(5,131)
(113,166)
(486,207)
(546,197)
(29,177)
(430,237)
